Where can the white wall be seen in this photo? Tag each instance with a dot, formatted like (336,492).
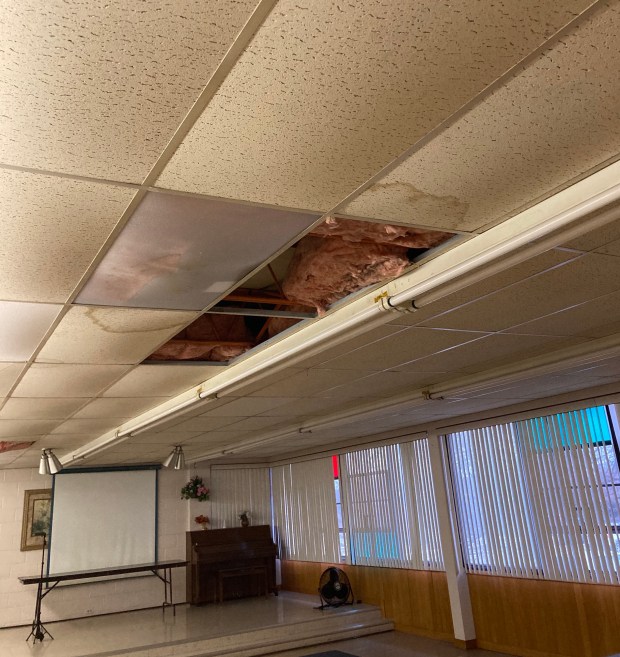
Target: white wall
(17,601)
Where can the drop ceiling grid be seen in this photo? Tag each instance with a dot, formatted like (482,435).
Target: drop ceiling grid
(106,84)
(408,345)
(518,146)
(596,318)
(579,280)
(513,275)
(373,94)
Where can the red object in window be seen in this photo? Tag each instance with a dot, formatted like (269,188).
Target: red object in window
(335,466)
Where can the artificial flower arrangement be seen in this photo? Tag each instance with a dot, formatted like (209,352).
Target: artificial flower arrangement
(195,489)
(202,520)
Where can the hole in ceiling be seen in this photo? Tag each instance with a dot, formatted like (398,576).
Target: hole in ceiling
(337,258)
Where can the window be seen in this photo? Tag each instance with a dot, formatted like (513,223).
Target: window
(540,497)
(390,509)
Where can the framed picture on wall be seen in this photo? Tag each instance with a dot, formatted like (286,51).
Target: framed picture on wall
(36,519)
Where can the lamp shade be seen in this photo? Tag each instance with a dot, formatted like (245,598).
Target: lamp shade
(44,465)
(176,459)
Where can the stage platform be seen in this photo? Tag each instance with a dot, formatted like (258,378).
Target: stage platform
(238,628)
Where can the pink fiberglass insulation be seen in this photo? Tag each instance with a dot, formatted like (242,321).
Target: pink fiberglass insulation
(326,269)
(226,328)
(341,256)
(352,230)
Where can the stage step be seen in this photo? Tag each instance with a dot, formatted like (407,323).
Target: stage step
(329,625)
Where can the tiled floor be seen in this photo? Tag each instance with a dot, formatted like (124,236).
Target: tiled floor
(90,636)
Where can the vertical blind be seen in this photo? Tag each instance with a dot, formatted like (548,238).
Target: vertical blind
(304,507)
(234,490)
(540,498)
(389,507)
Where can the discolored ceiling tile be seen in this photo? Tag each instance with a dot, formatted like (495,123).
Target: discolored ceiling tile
(183,252)
(59,380)
(100,87)
(52,228)
(327,93)
(22,328)
(102,336)
(555,121)
(40,409)
(9,373)
(161,380)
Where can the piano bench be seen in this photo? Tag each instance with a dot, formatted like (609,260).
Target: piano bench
(258,572)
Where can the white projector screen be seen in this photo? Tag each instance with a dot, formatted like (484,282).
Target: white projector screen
(103,519)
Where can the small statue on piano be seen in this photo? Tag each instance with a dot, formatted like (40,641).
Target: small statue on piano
(244,516)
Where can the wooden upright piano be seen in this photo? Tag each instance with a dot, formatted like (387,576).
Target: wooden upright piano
(230,563)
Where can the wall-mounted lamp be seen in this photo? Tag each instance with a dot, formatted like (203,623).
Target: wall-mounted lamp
(49,463)
(176,459)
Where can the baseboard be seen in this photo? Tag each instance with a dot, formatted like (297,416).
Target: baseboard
(466,644)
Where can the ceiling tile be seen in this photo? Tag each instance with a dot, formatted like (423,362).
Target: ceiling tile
(89,428)
(100,87)
(52,228)
(580,280)
(58,380)
(125,408)
(598,240)
(490,351)
(40,409)
(164,438)
(253,424)
(530,137)
(23,327)
(410,344)
(593,319)
(247,406)
(300,408)
(486,286)
(307,383)
(183,252)
(201,423)
(329,93)
(9,373)
(165,380)
(25,428)
(385,384)
(103,336)
(346,346)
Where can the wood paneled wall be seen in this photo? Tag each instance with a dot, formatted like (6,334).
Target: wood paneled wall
(537,618)
(416,600)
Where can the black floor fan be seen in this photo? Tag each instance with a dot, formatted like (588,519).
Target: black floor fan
(334,588)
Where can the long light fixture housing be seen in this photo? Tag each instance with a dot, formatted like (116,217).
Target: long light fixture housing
(533,231)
